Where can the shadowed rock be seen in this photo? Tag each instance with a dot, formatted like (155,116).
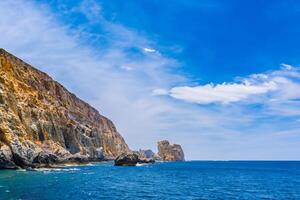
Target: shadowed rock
(6,157)
(127,159)
(44,158)
(146,160)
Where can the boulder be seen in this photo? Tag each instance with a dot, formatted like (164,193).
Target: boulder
(23,153)
(127,159)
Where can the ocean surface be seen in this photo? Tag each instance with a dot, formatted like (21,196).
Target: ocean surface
(172,180)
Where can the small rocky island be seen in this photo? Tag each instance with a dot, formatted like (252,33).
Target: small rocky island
(170,152)
(42,124)
(166,152)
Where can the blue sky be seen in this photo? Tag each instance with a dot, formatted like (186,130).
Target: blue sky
(222,78)
(234,38)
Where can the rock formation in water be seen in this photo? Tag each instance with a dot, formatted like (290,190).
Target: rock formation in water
(42,123)
(133,158)
(127,159)
(170,152)
(166,152)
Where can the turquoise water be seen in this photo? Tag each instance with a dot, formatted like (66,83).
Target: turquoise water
(174,180)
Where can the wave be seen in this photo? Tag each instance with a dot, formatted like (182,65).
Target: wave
(53,169)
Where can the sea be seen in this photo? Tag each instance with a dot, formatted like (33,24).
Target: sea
(164,180)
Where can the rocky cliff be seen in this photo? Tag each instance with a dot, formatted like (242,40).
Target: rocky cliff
(43,123)
(170,152)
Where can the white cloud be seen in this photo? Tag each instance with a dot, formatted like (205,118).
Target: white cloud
(220,93)
(279,85)
(149,50)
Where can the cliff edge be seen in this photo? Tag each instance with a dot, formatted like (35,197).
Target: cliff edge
(42,123)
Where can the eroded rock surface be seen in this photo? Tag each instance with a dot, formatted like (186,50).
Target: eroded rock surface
(41,122)
(135,157)
(170,152)
(127,159)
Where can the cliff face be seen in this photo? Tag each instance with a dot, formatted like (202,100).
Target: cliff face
(41,122)
(170,152)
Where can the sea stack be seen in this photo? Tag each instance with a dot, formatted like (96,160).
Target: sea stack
(170,152)
(42,123)
(127,159)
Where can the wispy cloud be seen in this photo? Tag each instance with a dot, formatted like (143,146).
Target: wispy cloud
(127,68)
(91,9)
(279,85)
(286,66)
